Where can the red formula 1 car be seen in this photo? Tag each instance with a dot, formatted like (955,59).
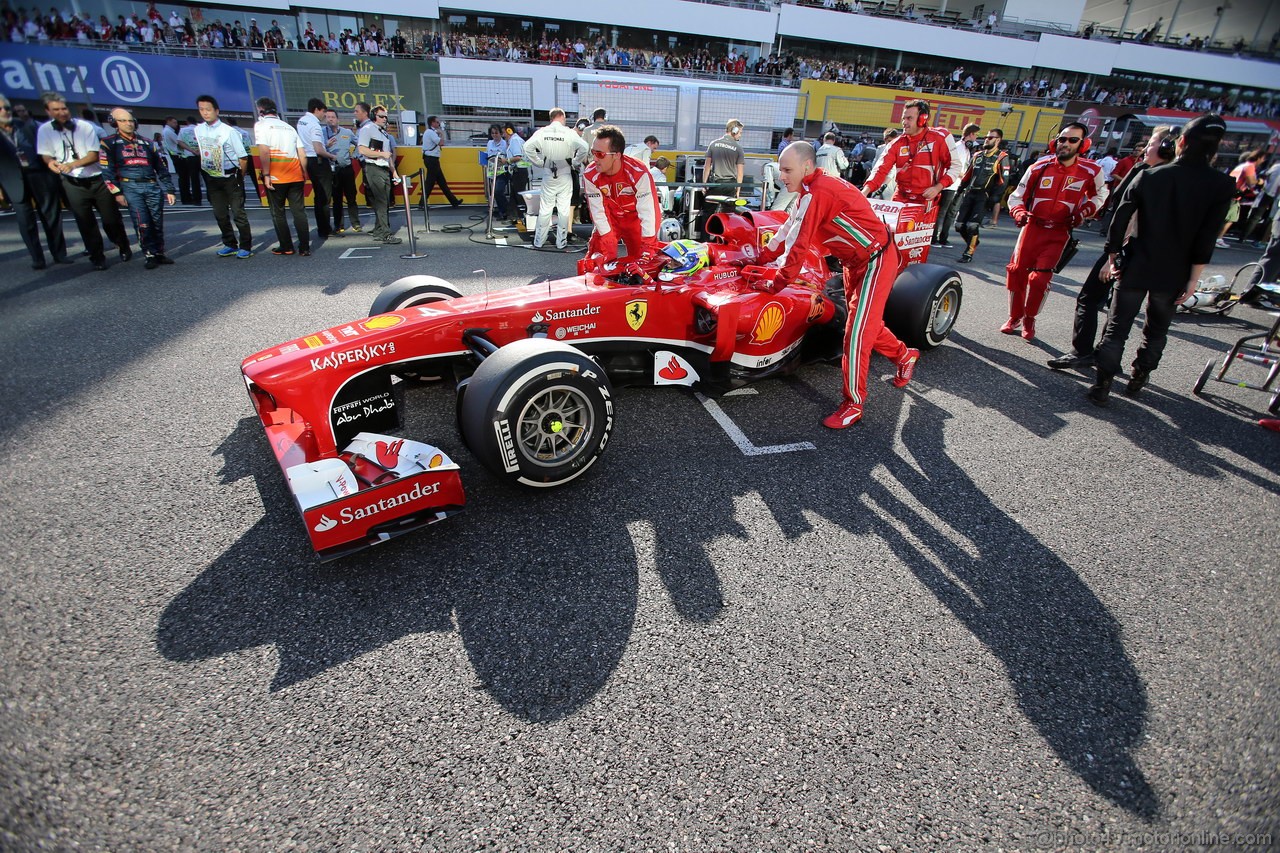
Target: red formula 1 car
(536,367)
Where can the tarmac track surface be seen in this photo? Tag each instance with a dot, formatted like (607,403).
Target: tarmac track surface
(989,616)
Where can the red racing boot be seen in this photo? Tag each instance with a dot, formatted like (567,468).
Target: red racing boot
(906,367)
(1017,301)
(847,415)
(1035,299)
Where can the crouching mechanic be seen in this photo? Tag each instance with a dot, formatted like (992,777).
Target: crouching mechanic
(836,219)
(1057,193)
(557,149)
(134,173)
(621,199)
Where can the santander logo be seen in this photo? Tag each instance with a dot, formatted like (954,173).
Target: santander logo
(389,453)
(673,372)
(326,523)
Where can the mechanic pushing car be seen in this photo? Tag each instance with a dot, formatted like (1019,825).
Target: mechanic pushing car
(622,200)
(834,217)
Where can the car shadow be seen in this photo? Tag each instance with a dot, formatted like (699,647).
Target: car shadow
(544,603)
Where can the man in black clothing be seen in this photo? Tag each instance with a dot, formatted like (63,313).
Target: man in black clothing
(1165,258)
(1093,293)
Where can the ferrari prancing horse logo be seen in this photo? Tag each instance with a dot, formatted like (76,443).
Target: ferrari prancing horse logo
(637,311)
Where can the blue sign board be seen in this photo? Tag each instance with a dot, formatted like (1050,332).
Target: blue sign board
(127,78)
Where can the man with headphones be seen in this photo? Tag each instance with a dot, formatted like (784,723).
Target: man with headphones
(1177,210)
(1097,285)
(919,159)
(519,169)
(70,150)
(725,161)
(1056,194)
(135,173)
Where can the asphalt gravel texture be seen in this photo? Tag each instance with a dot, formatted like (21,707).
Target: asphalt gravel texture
(990,616)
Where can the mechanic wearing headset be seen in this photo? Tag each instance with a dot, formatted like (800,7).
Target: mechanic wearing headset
(621,198)
(135,174)
(1059,192)
(834,218)
(1178,210)
(1097,286)
(919,158)
(557,149)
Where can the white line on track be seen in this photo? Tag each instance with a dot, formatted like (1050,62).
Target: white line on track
(739,437)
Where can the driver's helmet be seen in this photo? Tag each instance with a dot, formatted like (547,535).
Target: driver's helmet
(670,230)
(687,256)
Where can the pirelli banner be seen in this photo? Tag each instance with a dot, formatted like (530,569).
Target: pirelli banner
(344,81)
(870,109)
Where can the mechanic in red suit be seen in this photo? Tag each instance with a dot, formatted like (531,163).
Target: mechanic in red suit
(921,157)
(1059,192)
(621,198)
(833,217)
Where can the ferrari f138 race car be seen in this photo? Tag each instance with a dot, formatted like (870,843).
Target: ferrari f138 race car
(536,367)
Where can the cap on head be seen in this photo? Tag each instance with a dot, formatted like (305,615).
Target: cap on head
(1210,126)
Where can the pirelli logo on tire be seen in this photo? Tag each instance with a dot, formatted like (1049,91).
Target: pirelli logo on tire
(507,445)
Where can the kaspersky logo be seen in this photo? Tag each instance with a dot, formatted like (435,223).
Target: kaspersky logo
(362,70)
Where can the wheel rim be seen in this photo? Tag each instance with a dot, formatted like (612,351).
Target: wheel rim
(555,426)
(944,311)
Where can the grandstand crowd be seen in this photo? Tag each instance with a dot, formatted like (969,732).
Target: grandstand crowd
(782,67)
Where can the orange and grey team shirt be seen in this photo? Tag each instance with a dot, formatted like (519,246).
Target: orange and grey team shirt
(918,161)
(625,202)
(283,142)
(1054,194)
(833,216)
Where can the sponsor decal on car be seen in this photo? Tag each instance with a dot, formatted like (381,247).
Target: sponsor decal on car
(288,348)
(765,236)
(359,355)
(815,308)
(637,312)
(570,314)
(349,514)
(426,311)
(382,321)
(507,445)
(671,369)
(349,332)
(313,341)
(573,331)
(768,324)
(363,408)
(329,336)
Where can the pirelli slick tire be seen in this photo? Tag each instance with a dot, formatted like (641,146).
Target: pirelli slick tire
(924,304)
(538,412)
(412,290)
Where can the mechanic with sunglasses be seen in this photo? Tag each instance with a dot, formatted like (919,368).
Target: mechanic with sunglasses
(1059,192)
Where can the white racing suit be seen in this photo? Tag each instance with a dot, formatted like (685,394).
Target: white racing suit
(557,149)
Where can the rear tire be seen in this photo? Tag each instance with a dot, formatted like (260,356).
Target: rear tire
(537,412)
(924,304)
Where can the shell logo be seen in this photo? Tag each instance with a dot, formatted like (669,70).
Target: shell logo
(436,461)
(768,324)
(383,321)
